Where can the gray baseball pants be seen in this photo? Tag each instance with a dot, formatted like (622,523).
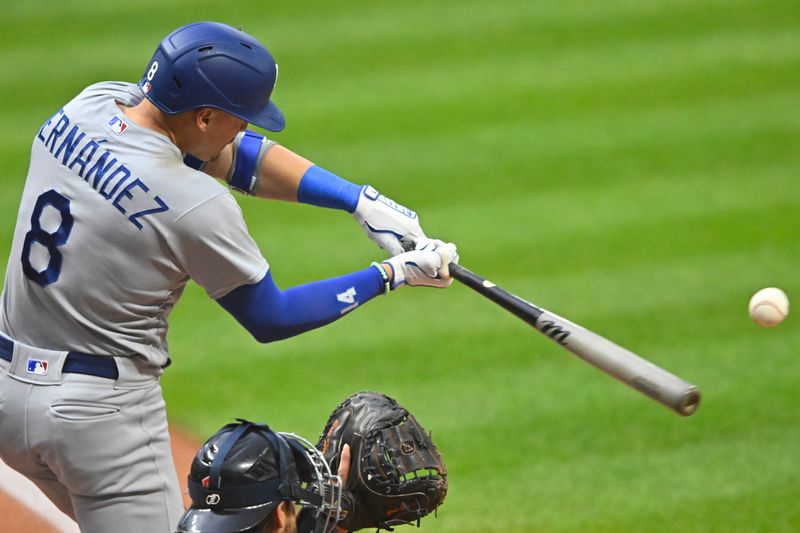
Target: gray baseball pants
(97,447)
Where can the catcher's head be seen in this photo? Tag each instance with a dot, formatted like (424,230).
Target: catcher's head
(247,478)
(396,475)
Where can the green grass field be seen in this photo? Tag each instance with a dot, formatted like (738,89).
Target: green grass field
(631,165)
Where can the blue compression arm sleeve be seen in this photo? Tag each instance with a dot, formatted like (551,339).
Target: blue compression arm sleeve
(325,189)
(270,314)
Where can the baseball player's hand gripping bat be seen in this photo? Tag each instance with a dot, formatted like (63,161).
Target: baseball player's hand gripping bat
(638,373)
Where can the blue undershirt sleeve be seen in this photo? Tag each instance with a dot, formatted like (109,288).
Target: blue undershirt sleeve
(325,189)
(271,314)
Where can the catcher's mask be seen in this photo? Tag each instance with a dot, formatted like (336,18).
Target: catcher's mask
(245,470)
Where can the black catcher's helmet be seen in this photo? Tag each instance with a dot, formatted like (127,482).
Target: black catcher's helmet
(245,470)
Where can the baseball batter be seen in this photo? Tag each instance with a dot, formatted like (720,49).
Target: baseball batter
(120,209)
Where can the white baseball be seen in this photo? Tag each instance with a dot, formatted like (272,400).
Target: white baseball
(768,307)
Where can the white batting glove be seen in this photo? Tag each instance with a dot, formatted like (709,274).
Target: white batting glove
(393,227)
(427,265)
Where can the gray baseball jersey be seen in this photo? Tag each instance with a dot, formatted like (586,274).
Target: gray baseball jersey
(112,224)
(111,227)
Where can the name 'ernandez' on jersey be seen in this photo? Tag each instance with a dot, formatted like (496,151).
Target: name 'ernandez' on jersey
(119,187)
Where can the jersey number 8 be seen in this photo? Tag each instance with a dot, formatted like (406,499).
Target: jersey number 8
(50,240)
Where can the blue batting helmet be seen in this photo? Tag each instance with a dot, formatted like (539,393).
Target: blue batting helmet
(208,64)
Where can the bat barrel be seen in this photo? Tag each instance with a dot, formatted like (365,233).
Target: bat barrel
(624,365)
(636,372)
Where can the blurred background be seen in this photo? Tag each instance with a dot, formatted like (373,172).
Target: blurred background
(630,165)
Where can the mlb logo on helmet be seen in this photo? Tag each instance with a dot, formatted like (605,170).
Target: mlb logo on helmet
(37,366)
(117,125)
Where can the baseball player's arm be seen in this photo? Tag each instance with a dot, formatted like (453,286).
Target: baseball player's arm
(259,167)
(279,171)
(271,314)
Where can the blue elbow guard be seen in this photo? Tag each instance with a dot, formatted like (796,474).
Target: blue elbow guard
(248,151)
(325,189)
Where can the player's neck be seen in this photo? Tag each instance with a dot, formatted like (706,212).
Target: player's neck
(146,115)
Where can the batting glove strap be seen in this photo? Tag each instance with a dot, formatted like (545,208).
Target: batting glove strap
(391,226)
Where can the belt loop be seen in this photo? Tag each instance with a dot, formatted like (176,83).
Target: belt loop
(134,373)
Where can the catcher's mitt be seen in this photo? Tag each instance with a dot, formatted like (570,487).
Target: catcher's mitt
(396,474)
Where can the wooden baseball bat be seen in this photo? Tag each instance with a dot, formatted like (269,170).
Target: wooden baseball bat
(634,371)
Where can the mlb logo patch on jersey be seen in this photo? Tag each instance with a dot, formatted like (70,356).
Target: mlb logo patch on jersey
(117,125)
(37,366)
